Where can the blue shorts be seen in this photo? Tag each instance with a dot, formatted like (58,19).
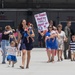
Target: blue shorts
(11,58)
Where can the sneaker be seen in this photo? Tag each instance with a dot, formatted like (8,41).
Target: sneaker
(9,65)
(61,59)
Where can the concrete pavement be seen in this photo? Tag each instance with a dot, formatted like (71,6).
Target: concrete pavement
(38,66)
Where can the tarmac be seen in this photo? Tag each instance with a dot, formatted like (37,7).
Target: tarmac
(39,65)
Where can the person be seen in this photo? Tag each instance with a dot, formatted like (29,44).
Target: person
(54,44)
(40,38)
(26,46)
(11,54)
(0,36)
(48,43)
(12,38)
(29,32)
(15,32)
(50,46)
(61,39)
(51,23)
(68,35)
(72,48)
(5,41)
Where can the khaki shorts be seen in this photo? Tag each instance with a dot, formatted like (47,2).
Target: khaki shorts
(72,51)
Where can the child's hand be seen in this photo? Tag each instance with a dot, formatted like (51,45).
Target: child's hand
(53,40)
(26,29)
(66,39)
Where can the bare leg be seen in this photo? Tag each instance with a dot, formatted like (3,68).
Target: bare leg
(9,62)
(61,55)
(32,39)
(58,56)
(23,58)
(28,58)
(48,54)
(53,55)
(71,57)
(74,56)
(12,63)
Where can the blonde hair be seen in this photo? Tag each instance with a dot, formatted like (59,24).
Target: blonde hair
(8,27)
(12,43)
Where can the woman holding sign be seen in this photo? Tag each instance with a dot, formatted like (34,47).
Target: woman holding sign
(26,46)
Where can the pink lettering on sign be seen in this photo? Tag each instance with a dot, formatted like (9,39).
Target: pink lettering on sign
(41,24)
(44,26)
(36,15)
(46,23)
(39,18)
(42,14)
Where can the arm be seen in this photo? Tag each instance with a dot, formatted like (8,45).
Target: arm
(53,34)
(66,31)
(7,32)
(15,39)
(32,35)
(65,38)
(19,37)
(42,34)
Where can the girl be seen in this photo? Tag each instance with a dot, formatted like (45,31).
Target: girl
(11,52)
(61,39)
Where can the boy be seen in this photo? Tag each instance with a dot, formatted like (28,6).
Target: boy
(72,48)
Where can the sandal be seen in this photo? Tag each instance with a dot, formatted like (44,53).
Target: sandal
(21,67)
(48,61)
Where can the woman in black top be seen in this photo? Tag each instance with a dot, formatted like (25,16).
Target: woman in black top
(5,41)
(26,46)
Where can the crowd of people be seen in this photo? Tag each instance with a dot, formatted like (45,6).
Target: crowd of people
(57,42)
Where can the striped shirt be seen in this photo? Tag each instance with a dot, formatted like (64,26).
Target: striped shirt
(72,45)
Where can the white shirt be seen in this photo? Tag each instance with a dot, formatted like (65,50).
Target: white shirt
(11,50)
(62,35)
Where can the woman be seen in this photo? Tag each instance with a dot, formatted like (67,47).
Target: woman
(26,46)
(5,41)
(48,44)
(49,40)
(61,39)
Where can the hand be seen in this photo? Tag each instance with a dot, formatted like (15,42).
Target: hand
(66,39)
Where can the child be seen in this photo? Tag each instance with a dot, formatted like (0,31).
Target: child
(11,53)
(72,48)
(28,31)
(12,37)
(60,47)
